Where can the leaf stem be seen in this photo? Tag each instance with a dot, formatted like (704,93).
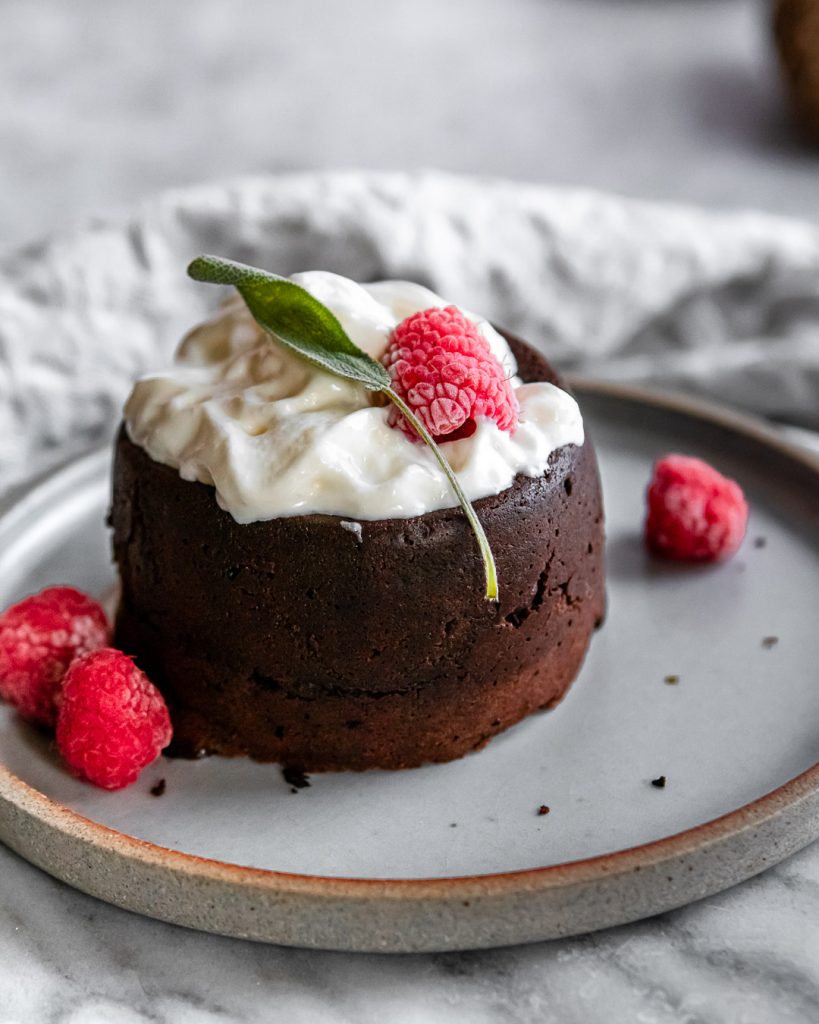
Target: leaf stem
(490,571)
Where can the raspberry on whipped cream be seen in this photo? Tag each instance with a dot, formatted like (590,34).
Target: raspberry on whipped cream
(442,367)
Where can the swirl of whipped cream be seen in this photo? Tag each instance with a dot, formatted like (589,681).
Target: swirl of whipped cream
(276,437)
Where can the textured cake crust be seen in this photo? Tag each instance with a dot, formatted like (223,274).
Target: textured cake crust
(295,641)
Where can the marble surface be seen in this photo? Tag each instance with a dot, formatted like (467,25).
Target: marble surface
(105,103)
(747,956)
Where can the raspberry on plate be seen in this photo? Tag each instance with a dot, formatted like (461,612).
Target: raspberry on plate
(695,514)
(39,637)
(112,720)
(443,368)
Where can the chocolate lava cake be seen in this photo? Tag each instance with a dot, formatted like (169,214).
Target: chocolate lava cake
(329,645)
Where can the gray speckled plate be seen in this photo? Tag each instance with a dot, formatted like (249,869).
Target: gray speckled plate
(456,856)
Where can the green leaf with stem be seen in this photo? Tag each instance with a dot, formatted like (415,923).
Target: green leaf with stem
(297,320)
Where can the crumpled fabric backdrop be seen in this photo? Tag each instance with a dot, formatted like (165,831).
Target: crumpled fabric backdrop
(724,305)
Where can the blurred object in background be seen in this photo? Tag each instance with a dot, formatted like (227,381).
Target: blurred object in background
(796,30)
(106,103)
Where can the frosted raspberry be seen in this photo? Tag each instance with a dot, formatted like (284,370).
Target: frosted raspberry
(38,639)
(443,368)
(694,513)
(112,720)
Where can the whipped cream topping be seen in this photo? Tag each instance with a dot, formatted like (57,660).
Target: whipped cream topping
(277,437)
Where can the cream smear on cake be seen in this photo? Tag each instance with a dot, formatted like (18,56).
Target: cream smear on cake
(276,437)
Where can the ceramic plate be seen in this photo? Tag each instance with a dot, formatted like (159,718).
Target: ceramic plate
(456,856)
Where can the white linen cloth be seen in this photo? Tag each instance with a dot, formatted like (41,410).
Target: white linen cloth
(724,305)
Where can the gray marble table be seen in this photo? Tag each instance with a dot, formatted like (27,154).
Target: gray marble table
(749,955)
(104,103)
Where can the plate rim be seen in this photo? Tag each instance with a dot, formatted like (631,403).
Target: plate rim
(803,789)
(655,853)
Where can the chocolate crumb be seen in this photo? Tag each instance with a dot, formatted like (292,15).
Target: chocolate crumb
(760,542)
(293,789)
(296,778)
(158,788)
(659,783)
(543,809)
(672,680)
(770,641)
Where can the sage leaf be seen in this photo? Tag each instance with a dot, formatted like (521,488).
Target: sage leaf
(297,320)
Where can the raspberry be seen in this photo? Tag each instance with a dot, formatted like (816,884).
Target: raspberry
(694,513)
(112,720)
(443,368)
(38,639)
